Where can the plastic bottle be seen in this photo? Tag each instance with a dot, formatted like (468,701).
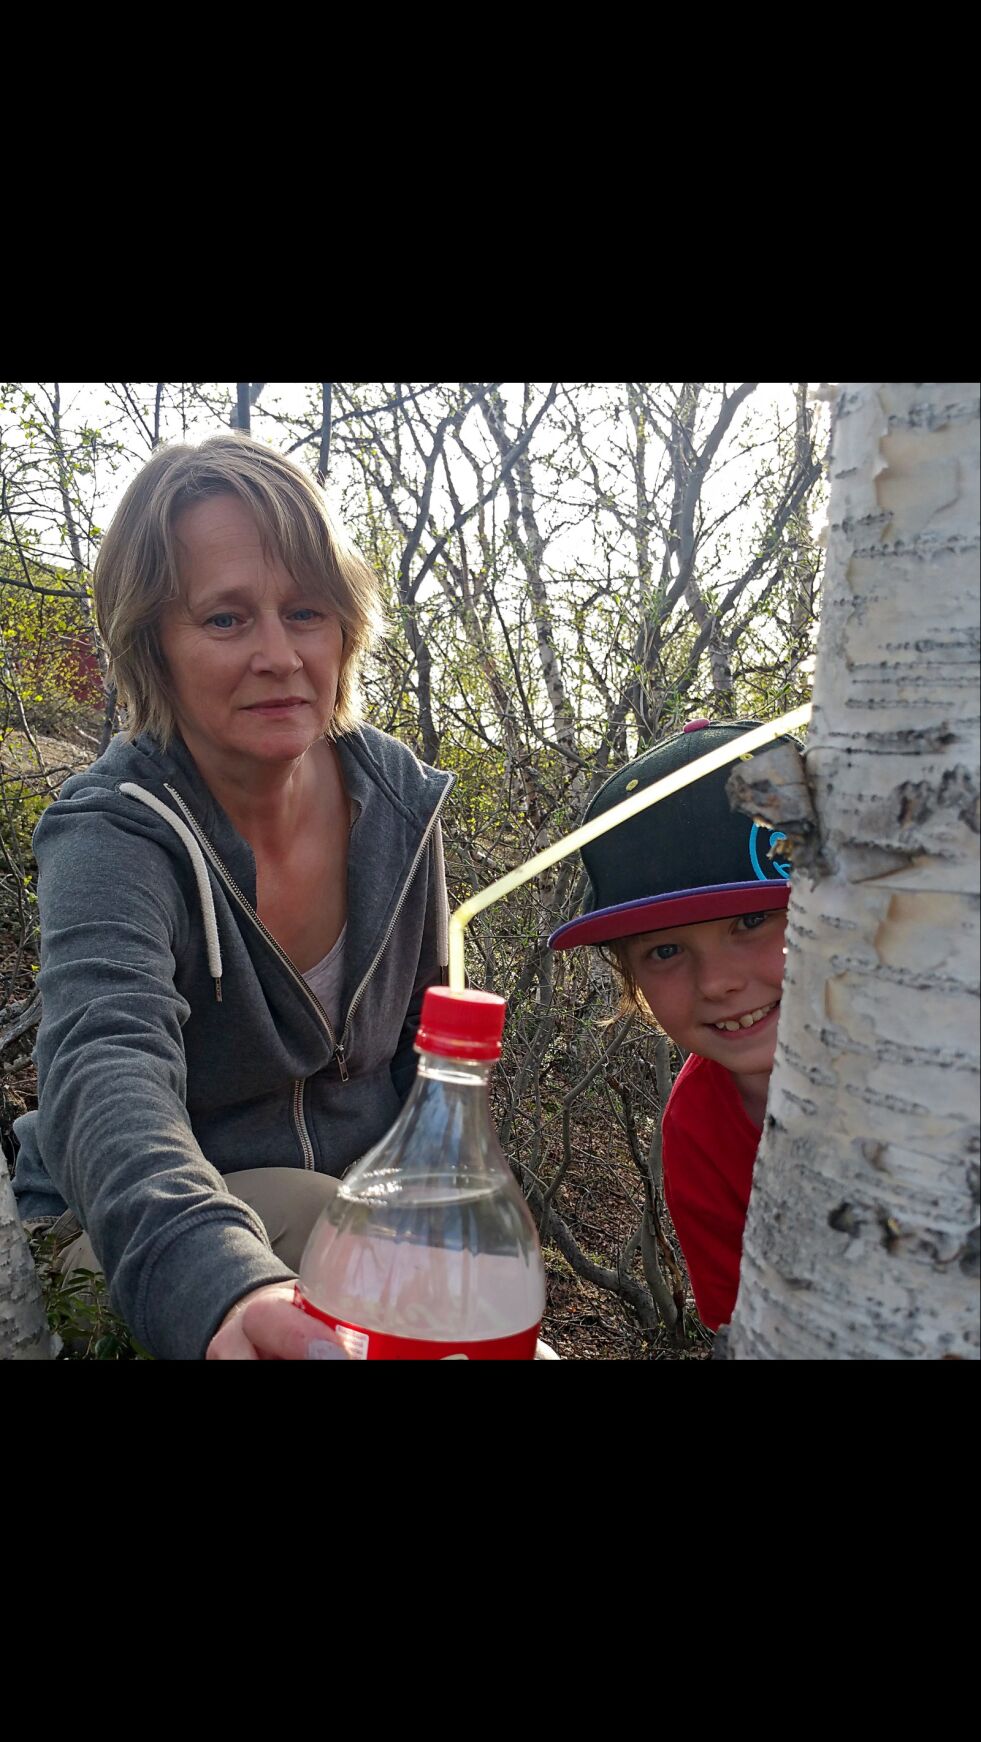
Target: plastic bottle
(428,1251)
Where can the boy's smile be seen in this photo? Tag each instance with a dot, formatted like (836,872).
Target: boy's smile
(745,1020)
(715,989)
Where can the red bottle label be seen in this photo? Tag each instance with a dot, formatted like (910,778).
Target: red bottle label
(362,1345)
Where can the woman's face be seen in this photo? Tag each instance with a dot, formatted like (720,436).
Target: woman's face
(253,659)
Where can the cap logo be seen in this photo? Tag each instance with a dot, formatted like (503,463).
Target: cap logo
(782,867)
(631,784)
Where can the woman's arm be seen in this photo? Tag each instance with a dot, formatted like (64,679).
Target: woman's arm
(114,1133)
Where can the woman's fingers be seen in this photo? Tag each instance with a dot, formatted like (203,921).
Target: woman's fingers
(281,1332)
(266,1326)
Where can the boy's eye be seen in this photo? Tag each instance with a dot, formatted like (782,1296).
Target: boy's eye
(664,952)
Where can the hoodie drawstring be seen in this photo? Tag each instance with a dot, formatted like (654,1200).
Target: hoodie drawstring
(200,872)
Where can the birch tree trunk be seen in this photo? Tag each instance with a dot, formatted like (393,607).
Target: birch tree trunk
(862,1235)
(24,1334)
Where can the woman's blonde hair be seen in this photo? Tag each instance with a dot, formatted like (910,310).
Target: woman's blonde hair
(136,574)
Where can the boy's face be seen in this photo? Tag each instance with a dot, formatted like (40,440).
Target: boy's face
(723,971)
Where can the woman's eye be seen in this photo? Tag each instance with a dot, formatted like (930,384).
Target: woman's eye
(222,620)
(306,614)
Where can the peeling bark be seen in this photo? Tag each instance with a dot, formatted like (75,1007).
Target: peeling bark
(862,1235)
(24,1334)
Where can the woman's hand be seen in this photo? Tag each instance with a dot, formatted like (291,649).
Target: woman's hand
(266,1326)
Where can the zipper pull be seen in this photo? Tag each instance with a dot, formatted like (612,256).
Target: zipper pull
(341,1062)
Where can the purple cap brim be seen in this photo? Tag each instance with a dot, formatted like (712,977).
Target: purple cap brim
(681,907)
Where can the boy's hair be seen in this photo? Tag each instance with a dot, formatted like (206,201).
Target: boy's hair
(136,574)
(631,1001)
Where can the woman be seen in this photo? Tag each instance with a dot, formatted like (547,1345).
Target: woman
(241,903)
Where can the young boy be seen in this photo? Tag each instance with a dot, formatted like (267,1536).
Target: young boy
(695,911)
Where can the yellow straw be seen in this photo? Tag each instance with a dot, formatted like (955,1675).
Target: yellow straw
(629,807)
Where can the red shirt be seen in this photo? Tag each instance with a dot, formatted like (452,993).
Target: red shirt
(709,1145)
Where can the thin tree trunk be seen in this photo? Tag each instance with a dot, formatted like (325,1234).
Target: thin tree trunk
(862,1234)
(74,540)
(323,458)
(24,1334)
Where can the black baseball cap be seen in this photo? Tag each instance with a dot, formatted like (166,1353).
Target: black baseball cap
(688,858)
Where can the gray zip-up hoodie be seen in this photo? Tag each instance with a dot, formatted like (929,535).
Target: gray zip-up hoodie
(178,1042)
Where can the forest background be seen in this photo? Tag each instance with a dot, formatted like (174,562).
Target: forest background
(570,573)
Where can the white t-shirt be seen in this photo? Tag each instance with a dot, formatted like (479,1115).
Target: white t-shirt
(326,978)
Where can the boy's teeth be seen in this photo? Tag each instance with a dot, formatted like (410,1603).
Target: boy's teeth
(745,1021)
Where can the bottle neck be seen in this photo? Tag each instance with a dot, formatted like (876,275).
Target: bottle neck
(437,1068)
(444,1132)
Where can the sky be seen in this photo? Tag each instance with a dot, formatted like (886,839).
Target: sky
(93,403)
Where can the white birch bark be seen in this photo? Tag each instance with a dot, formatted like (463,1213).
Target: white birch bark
(24,1334)
(862,1234)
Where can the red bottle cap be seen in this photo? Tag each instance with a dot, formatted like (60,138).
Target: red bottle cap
(461,1025)
(695,725)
